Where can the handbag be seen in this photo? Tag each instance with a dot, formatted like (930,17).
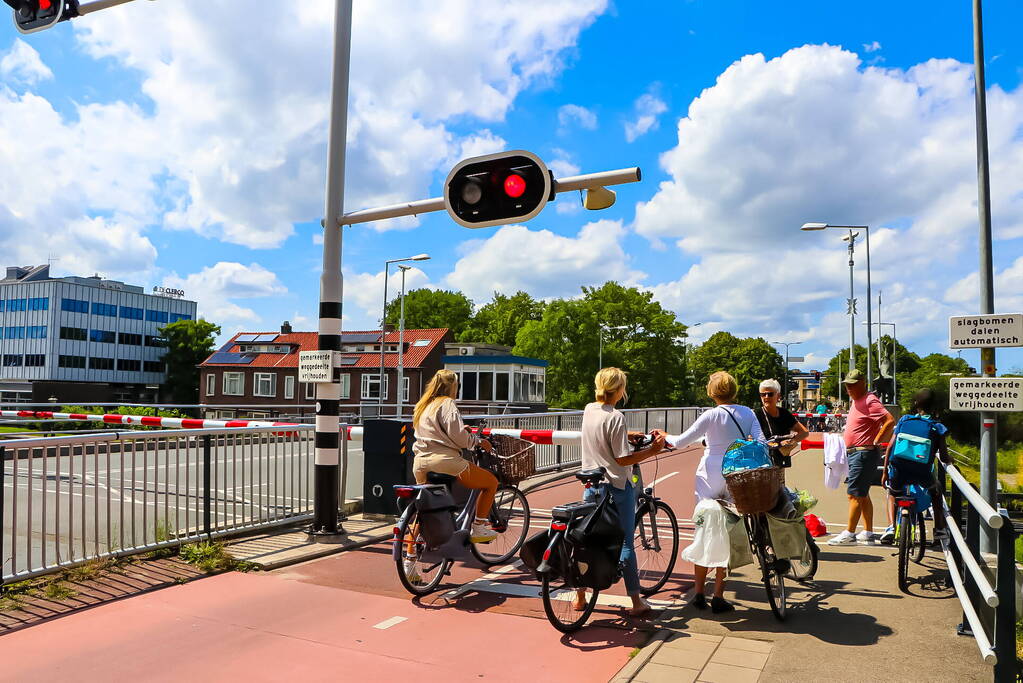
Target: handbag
(745,453)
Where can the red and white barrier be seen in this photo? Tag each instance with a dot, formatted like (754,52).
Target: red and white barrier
(144,420)
(819,414)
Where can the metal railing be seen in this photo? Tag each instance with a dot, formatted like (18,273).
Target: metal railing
(988,596)
(69,500)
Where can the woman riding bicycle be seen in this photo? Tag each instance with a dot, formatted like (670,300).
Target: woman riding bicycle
(605,443)
(440,438)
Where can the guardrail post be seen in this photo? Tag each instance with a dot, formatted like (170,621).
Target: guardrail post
(206,485)
(557,449)
(1005,613)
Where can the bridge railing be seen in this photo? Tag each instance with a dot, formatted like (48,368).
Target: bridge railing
(988,597)
(69,500)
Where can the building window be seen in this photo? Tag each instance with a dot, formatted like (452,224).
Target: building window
(74,305)
(75,333)
(289,387)
(35,360)
(154,366)
(129,339)
(17,305)
(211,384)
(101,363)
(109,310)
(129,365)
(131,313)
(157,316)
(155,341)
(36,331)
(502,386)
(346,385)
(234,384)
(467,384)
(174,317)
(310,391)
(102,336)
(41,303)
(404,390)
(265,384)
(71,362)
(17,332)
(371,386)
(12,360)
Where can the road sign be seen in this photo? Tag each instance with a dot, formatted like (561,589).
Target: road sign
(316,367)
(985,331)
(813,385)
(796,359)
(997,394)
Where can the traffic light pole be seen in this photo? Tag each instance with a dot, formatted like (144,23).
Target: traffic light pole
(326,469)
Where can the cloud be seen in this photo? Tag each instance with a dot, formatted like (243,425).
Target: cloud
(562,164)
(365,291)
(543,263)
(570,115)
(647,108)
(1008,284)
(871,47)
(22,63)
(214,288)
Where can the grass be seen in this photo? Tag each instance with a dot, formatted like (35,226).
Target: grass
(57,590)
(210,556)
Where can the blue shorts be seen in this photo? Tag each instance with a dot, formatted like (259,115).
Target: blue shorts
(862,471)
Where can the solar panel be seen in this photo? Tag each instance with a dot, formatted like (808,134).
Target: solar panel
(360,338)
(263,338)
(348,360)
(421,342)
(228,358)
(246,337)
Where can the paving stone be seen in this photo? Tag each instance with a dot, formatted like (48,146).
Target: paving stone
(659,673)
(747,644)
(751,660)
(725,673)
(687,657)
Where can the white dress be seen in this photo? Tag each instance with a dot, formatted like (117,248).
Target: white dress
(719,431)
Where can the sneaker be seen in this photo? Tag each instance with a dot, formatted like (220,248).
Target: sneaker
(845,538)
(482,533)
(888,536)
(411,568)
(865,537)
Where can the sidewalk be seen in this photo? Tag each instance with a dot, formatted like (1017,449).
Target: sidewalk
(851,624)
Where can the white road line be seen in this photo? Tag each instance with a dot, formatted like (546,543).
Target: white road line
(667,476)
(388,623)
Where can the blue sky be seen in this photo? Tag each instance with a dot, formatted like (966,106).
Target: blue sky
(185,146)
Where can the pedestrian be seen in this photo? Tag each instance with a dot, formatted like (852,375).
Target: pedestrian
(867,426)
(605,443)
(922,429)
(776,420)
(719,427)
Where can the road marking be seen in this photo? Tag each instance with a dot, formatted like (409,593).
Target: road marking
(388,623)
(667,476)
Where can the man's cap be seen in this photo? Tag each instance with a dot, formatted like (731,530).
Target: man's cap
(852,377)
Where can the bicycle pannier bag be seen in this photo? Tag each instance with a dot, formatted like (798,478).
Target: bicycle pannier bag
(913,440)
(599,527)
(436,521)
(595,566)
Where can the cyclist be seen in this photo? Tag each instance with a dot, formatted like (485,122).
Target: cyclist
(605,443)
(440,438)
(899,473)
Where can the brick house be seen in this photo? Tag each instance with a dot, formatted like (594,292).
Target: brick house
(261,368)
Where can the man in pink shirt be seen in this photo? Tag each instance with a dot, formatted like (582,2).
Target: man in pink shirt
(867,426)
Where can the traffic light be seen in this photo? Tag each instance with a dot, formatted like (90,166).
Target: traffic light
(35,15)
(817,376)
(496,189)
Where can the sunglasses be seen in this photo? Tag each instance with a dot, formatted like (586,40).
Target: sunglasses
(767,393)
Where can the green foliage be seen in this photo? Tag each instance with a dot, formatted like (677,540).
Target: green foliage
(431,309)
(906,362)
(189,342)
(499,321)
(750,360)
(566,336)
(210,556)
(59,591)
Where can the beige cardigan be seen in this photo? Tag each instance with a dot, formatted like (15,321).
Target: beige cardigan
(441,436)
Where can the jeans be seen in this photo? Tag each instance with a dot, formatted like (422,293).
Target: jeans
(624,501)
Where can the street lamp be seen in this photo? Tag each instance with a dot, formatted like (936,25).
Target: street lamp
(785,387)
(401,343)
(600,334)
(383,319)
(851,237)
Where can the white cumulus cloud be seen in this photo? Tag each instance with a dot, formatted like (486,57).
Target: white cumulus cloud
(570,115)
(647,110)
(22,63)
(216,287)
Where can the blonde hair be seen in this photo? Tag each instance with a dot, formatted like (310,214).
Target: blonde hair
(608,382)
(722,387)
(442,385)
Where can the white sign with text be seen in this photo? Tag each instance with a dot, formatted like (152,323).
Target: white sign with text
(316,367)
(995,394)
(985,331)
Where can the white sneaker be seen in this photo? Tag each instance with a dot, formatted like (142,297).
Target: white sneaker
(865,537)
(845,538)
(482,532)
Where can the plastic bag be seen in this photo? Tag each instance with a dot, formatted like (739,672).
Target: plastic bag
(745,455)
(803,500)
(815,525)
(710,546)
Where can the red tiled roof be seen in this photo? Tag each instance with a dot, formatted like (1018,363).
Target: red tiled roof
(306,341)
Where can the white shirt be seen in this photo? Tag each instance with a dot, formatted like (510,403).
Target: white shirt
(719,431)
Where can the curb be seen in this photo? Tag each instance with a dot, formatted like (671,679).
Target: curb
(646,653)
(318,554)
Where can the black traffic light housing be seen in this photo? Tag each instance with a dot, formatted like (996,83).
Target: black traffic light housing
(496,189)
(817,376)
(36,15)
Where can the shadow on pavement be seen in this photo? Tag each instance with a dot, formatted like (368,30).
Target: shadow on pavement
(928,580)
(828,555)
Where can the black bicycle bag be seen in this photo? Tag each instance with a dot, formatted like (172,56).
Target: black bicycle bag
(436,517)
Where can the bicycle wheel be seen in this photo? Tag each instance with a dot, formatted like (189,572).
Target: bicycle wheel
(558,605)
(417,577)
(655,542)
(920,542)
(774,582)
(905,543)
(803,568)
(510,518)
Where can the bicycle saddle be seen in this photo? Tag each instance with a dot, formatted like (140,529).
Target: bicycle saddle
(593,476)
(438,478)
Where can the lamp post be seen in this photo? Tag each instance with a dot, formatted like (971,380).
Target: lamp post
(785,386)
(600,334)
(851,237)
(383,321)
(401,344)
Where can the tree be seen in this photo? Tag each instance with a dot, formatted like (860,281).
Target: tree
(906,362)
(567,336)
(189,342)
(750,361)
(499,321)
(432,309)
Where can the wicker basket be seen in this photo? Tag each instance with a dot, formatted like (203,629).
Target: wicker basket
(512,460)
(755,491)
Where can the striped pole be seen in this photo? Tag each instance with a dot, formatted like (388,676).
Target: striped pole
(326,471)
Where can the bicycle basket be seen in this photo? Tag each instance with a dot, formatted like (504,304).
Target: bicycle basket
(512,460)
(755,491)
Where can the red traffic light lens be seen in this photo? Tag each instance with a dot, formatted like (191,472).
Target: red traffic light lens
(514,185)
(44,4)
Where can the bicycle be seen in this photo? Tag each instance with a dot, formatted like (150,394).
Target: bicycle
(804,567)
(910,534)
(423,564)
